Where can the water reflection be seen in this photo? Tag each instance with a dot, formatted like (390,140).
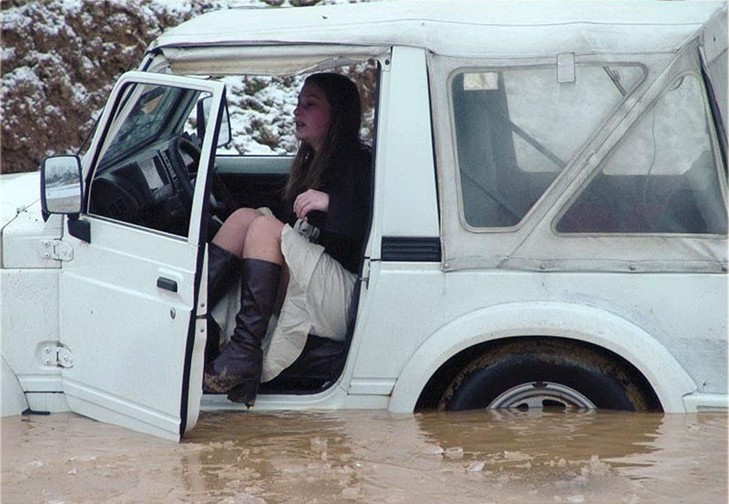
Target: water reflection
(546,436)
(373,457)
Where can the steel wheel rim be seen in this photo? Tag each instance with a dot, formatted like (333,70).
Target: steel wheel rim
(538,395)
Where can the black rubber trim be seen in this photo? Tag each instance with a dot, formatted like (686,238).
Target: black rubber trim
(715,111)
(79,228)
(411,249)
(199,271)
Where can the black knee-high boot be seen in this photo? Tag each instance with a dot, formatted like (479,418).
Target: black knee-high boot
(237,370)
(223,271)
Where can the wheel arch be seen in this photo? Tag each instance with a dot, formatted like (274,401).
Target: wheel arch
(457,342)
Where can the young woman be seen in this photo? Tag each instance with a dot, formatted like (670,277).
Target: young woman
(313,254)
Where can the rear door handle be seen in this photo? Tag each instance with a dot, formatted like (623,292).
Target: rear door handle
(167,284)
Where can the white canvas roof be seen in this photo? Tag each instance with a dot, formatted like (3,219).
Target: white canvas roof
(485,28)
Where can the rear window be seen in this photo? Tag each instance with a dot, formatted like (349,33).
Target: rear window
(662,178)
(517,128)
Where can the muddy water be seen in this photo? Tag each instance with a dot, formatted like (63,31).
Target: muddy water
(372,457)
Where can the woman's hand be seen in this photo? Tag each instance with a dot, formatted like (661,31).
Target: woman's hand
(310,200)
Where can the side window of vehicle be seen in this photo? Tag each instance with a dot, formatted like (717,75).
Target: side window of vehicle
(254,166)
(662,178)
(517,128)
(261,110)
(145,172)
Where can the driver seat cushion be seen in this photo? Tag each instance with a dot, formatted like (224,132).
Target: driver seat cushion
(318,366)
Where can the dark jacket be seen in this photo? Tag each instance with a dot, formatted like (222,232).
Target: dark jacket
(343,229)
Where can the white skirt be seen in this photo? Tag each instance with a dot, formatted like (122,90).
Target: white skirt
(317,301)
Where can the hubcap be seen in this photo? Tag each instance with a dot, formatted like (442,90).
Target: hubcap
(541,395)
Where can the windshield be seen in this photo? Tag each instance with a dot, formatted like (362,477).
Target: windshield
(150,114)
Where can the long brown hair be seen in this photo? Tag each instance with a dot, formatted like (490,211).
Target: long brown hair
(312,170)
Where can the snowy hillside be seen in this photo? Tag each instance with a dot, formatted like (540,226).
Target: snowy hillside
(60,59)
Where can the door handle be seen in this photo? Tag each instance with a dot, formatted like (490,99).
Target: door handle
(167,284)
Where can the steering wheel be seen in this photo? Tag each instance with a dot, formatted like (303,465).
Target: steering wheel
(187,150)
(184,158)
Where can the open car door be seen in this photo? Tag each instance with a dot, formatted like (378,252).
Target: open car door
(131,327)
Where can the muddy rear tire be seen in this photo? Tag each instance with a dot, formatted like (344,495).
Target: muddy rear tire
(548,373)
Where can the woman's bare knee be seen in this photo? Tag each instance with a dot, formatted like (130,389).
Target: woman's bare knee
(263,240)
(232,234)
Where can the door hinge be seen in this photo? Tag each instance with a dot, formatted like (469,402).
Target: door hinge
(56,354)
(56,250)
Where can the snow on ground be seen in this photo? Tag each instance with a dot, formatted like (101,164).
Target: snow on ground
(261,109)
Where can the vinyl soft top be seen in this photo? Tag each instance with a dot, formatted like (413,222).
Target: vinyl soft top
(485,28)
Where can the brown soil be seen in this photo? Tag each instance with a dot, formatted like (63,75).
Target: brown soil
(58,67)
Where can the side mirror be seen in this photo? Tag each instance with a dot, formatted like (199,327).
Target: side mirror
(61,185)
(203,116)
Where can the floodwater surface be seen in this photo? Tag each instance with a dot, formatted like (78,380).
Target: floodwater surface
(372,457)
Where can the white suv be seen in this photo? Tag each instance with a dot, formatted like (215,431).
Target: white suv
(549,226)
